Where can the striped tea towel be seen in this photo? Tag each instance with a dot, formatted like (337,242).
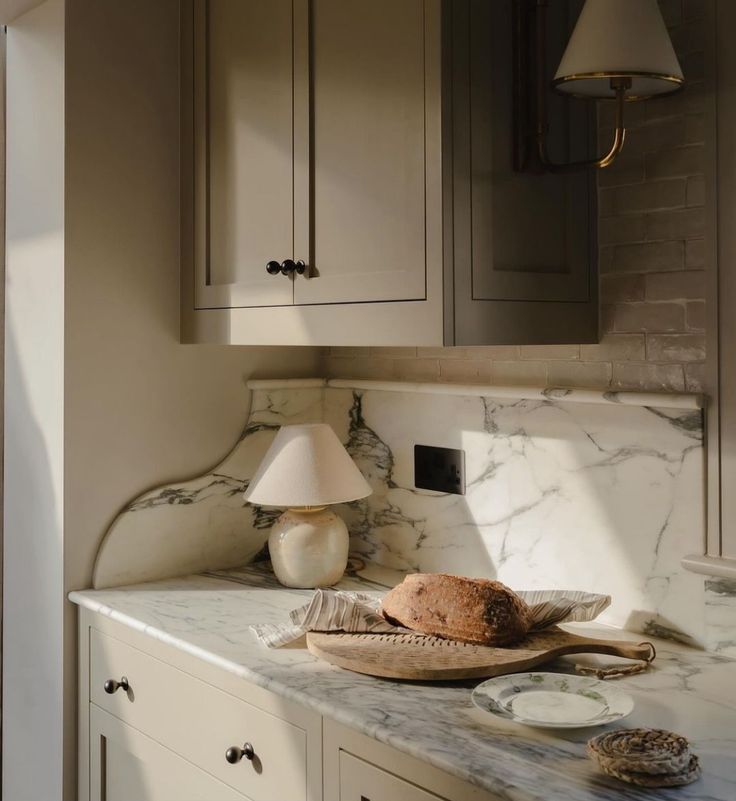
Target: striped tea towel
(337,610)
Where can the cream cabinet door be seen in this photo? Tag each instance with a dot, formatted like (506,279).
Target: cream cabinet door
(243,68)
(374,70)
(125,765)
(361,781)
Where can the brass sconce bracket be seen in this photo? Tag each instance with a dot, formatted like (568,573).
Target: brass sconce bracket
(531,85)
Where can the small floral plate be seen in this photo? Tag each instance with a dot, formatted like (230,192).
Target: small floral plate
(552,700)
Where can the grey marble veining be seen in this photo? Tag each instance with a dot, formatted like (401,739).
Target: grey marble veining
(689,691)
(566,489)
(605,497)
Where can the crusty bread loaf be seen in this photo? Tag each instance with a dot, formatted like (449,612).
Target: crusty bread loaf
(478,611)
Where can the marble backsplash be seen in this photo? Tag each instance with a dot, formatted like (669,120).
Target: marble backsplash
(565,489)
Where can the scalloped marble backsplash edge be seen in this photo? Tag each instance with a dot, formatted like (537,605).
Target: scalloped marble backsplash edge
(568,488)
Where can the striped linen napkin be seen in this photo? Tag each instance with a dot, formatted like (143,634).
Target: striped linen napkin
(360,612)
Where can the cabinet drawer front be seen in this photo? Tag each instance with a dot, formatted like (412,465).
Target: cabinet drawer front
(127,765)
(361,781)
(200,722)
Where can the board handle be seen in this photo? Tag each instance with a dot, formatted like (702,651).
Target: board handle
(643,651)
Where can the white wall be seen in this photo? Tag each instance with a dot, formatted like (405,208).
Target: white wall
(138,407)
(34,492)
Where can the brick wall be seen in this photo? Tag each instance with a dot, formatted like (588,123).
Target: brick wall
(651,233)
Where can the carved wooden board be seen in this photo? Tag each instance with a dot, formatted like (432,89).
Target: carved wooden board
(420,658)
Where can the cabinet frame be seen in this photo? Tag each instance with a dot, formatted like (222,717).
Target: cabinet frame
(296,714)
(318,323)
(450,314)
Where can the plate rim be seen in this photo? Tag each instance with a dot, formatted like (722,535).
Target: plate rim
(589,680)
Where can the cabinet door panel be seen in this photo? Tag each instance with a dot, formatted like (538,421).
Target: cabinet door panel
(243,117)
(125,765)
(368,143)
(361,781)
(530,231)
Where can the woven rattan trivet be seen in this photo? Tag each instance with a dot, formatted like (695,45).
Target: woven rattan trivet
(647,757)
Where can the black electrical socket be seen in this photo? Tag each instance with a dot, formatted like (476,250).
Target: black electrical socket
(439,469)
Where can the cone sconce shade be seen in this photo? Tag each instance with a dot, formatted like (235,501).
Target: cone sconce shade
(306,466)
(619,39)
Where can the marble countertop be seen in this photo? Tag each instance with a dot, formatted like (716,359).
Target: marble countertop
(209,615)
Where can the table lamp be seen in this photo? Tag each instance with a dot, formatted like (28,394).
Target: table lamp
(307,469)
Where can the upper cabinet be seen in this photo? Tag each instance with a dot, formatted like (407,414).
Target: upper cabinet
(347,180)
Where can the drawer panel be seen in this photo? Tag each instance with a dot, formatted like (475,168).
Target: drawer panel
(361,781)
(200,722)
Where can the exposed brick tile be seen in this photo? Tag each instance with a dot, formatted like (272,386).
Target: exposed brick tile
(605,258)
(695,192)
(606,202)
(624,170)
(675,347)
(359,368)
(647,257)
(579,374)
(695,254)
(548,352)
(649,196)
(656,135)
(394,353)
(616,347)
(503,352)
(688,160)
(635,115)
(617,288)
(651,377)
(416,369)
(656,317)
(470,370)
(621,230)
(495,352)
(608,319)
(521,373)
(680,285)
(695,128)
(695,313)
(696,377)
(349,352)
(673,225)
(691,100)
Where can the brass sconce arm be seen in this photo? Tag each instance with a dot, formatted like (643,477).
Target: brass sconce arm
(620,85)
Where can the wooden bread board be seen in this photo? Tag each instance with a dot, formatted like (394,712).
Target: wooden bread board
(417,657)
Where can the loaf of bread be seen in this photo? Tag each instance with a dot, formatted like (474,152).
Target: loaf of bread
(478,611)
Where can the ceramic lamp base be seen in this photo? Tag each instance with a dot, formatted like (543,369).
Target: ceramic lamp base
(309,548)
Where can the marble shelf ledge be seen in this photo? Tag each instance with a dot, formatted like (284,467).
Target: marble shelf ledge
(717,566)
(659,400)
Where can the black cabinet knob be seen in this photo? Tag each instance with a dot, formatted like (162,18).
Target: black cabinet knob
(273,268)
(111,686)
(290,266)
(234,754)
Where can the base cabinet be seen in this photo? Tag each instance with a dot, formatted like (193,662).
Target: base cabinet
(127,765)
(157,724)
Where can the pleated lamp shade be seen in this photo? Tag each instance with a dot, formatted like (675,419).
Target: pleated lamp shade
(306,465)
(619,39)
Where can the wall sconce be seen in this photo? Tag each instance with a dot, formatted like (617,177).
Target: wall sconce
(619,50)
